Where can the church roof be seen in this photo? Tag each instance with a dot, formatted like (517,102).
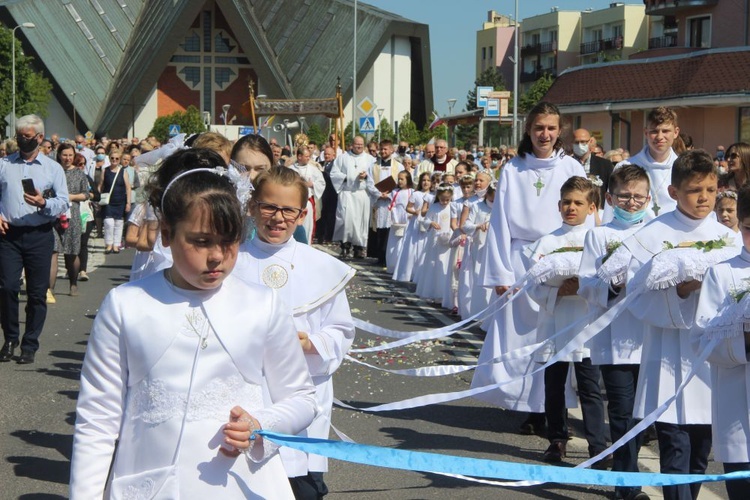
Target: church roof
(718,77)
(111,54)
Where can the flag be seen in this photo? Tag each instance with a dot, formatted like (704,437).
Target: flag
(436,122)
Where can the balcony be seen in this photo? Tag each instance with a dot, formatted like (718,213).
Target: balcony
(538,48)
(601,45)
(662,42)
(672,7)
(532,76)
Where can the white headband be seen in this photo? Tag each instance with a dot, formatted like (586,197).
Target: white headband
(220,171)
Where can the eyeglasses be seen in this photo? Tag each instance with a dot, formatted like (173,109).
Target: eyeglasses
(441,147)
(290,214)
(80,164)
(733,156)
(639,199)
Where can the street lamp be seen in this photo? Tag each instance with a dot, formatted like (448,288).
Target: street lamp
(13,66)
(380,120)
(75,125)
(225,108)
(451,103)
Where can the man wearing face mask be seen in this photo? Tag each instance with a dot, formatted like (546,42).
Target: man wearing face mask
(592,164)
(81,148)
(26,239)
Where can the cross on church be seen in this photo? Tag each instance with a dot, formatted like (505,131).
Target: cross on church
(538,185)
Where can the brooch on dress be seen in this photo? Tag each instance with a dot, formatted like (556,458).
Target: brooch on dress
(275,276)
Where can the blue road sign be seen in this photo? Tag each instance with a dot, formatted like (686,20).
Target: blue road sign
(174,129)
(246,131)
(367,124)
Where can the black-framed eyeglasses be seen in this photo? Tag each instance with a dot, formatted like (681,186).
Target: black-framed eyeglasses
(290,214)
(639,199)
(733,156)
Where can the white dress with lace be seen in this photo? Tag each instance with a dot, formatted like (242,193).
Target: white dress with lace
(136,376)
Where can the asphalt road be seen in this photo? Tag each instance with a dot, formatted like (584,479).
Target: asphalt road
(38,403)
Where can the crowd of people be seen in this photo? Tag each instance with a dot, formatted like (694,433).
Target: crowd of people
(216,224)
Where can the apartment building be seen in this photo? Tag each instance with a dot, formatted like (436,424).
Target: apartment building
(697,60)
(495,43)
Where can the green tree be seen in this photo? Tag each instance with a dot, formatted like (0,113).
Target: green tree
(407,130)
(386,131)
(466,134)
(33,90)
(439,132)
(317,135)
(535,93)
(348,135)
(190,122)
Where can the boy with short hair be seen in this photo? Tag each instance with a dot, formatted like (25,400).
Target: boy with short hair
(559,306)
(616,350)
(723,289)
(683,430)
(657,158)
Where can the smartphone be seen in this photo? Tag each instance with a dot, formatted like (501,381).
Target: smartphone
(28,186)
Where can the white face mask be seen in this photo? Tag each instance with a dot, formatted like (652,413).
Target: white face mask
(580,149)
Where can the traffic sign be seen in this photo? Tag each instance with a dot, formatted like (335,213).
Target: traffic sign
(89,135)
(482,94)
(492,108)
(246,131)
(174,130)
(367,124)
(366,106)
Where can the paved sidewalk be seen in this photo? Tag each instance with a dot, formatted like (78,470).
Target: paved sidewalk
(37,402)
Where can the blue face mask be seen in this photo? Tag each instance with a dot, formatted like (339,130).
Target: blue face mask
(629,217)
(100,157)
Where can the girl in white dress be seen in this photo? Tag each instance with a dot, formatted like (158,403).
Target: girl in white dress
(437,249)
(475,297)
(176,362)
(313,284)
(399,219)
(414,239)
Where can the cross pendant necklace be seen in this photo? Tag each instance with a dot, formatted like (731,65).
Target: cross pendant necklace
(656,208)
(538,184)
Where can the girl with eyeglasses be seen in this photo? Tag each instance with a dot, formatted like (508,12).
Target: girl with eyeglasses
(312,285)
(738,166)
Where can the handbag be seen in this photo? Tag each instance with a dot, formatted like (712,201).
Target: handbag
(104,197)
(162,483)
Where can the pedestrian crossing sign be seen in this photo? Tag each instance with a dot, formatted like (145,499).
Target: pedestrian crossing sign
(174,130)
(367,124)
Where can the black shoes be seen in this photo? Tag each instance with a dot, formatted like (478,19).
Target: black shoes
(6,353)
(555,453)
(26,358)
(605,463)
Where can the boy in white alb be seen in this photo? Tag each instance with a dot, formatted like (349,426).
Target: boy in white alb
(684,429)
(724,291)
(559,307)
(657,158)
(617,348)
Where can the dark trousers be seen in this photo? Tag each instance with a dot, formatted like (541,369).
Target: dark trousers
(592,405)
(327,221)
(620,382)
(738,489)
(683,449)
(85,235)
(29,249)
(309,487)
(379,238)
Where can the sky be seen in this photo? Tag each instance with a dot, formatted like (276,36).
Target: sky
(453,31)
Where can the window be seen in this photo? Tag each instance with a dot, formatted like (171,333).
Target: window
(484,53)
(553,36)
(744,127)
(491,57)
(699,32)
(617,31)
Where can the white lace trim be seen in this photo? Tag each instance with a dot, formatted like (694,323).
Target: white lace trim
(613,271)
(564,264)
(675,266)
(152,402)
(731,321)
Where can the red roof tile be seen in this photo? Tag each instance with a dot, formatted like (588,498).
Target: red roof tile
(705,73)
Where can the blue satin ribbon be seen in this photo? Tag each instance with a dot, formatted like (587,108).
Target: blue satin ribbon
(478,467)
